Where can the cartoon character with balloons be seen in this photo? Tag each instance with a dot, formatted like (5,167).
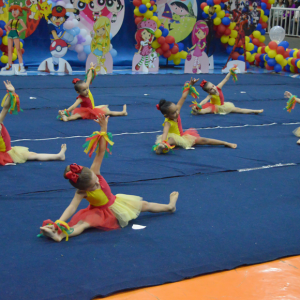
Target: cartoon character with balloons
(144,37)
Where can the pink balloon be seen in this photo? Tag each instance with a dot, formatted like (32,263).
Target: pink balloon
(68,25)
(81,56)
(79,48)
(61,3)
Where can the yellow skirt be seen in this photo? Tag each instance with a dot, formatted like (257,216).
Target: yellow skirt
(185,141)
(224,109)
(18,154)
(104,107)
(296,132)
(126,208)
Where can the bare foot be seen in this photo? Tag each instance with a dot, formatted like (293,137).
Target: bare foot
(160,148)
(259,111)
(230,145)
(194,111)
(64,118)
(173,200)
(51,233)
(124,110)
(61,154)
(298,142)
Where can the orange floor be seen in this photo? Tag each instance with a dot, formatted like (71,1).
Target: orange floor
(279,279)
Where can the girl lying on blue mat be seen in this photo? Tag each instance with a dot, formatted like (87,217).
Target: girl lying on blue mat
(216,102)
(173,134)
(13,155)
(105,211)
(87,109)
(291,103)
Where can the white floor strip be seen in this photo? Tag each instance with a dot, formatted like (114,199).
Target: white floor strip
(150,132)
(267,167)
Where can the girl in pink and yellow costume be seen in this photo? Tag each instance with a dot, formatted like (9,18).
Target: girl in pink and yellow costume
(105,211)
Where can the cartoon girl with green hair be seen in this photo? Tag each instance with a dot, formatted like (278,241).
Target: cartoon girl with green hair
(101,41)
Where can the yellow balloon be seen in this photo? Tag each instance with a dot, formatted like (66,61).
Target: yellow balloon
(271,1)
(224,39)
(206,9)
(259,50)
(137,12)
(292,69)
(252,57)
(148,5)
(295,53)
(183,54)
(267,49)
(298,64)
(279,58)
(177,55)
(14,57)
(233,33)
(232,25)
(217,20)
(158,23)
(148,14)
(155,44)
(4,59)
(154,9)
(262,13)
(265,18)
(256,34)
(221,14)
(217,8)
(155,19)
(157,33)
(177,61)
(4,40)
(289,61)
(250,47)
(171,57)
(262,38)
(248,55)
(145,1)
(231,41)
(272,53)
(15,51)
(283,63)
(247,39)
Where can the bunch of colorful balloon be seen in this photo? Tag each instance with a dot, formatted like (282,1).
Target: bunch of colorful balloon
(163,43)
(4,48)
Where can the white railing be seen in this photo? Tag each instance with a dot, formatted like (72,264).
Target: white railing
(287,18)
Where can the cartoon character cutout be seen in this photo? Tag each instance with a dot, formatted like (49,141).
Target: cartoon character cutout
(114,7)
(100,44)
(199,33)
(255,14)
(144,37)
(34,9)
(96,6)
(79,5)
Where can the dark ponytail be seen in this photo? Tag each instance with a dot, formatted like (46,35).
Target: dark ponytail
(163,106)
(77,83)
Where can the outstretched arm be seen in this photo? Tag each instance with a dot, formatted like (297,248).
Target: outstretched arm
(90,75)
(288,95)
(102,121)
(166,131)
(71,209)
(185,94)
(220,85)
(205,100)
(6,106)
(73,106)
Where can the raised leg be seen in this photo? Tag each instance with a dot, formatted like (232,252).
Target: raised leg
(157,208)
(46,156)
(206,141)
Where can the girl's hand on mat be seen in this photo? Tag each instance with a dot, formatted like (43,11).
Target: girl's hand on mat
(193,81)
(287,94)
(9,86)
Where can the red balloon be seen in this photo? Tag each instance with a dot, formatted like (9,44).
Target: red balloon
(1,32)
(235,55)
(265,1)
(22,50)
(263,50)
(167,53)
(298,54)
(260,20)
(203,4)
(280,50)
(138,20)
(286,54)
(216,2)
(257,63)
(227,31)
(137,2)
(255,42)
(269,68)
(221,28)
(170,39)
(264,25)
(293,62)
(174,50)
(165,47)
(269,6)
(4,49)
(159,51)
(261,44)
(239,44)
(227,15)
(215,27)
(152,3)
(257,57)
(161,40)
(273,45)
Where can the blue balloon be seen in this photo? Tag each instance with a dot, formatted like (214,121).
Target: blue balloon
(171,45)
(155,14)
(247,65)
(263,32)
(262,64)
(113,52)
(161,28)
(254,50)
(261,57)
(241,51)
(288,68)
(180,46)
(22,41)
(87,49)
(259,27)
(76,30)
(4,33)
(210,2)
(226,21)
(226,12)
(263,5)
(241,58)
(2,24)
(229,49)
(165,32)
(271,62)
(142,8)
(267,57)
(0,40)
(278,68)
(151,8)
(2,65)
(284,44)
(267,12)
(250,39)
(222,5)
(204,15)
(214,16)
(291,54)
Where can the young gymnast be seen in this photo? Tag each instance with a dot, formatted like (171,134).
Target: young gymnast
(288,95)
(217,104)
(106,211)
(14,155)
(173,134)
(87,109)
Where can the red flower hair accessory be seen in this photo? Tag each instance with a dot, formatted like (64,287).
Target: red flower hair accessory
(74,170)
(157,107)
(75,80)
(203,82)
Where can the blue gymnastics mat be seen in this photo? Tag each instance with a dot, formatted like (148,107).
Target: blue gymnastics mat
(229,214)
